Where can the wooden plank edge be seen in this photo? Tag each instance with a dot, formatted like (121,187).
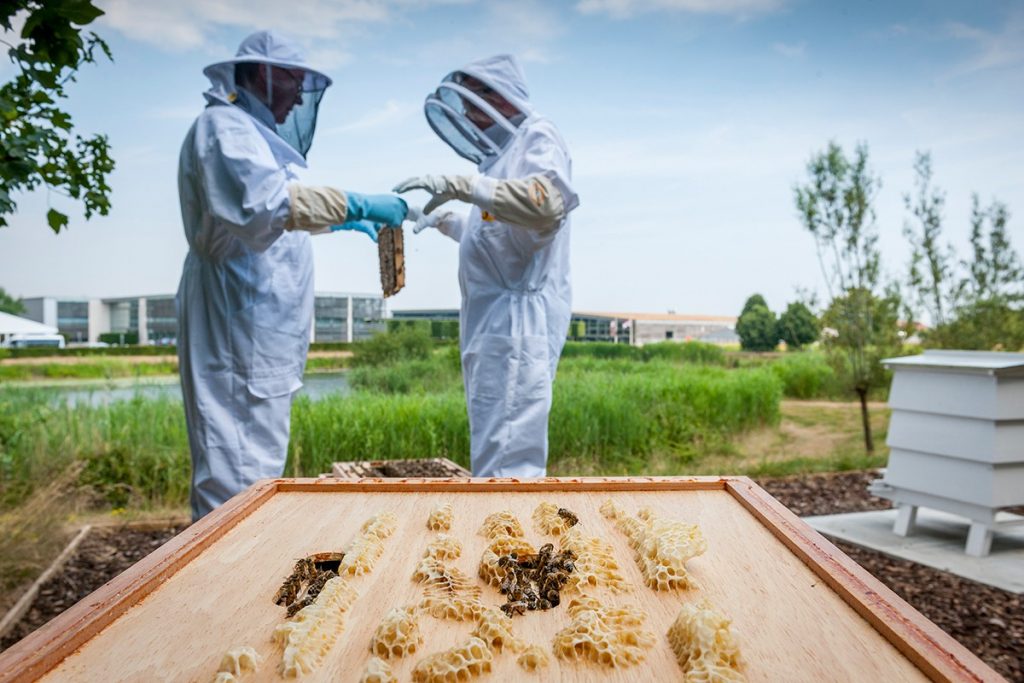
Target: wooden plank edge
(940,656)
(16,612)
(480,485)
(38,653)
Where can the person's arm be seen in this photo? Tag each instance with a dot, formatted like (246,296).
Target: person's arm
(539,200)
(244,188)
(315,208)
(534,201)
(250,194)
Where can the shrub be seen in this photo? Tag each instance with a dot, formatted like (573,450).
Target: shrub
(405,343)
(806,375)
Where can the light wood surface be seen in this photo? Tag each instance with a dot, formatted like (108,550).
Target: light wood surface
(803,611)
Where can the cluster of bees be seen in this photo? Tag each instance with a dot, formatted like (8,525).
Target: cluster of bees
(535,581)
(306,581)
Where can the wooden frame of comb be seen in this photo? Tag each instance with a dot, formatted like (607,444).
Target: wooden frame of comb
(391,252)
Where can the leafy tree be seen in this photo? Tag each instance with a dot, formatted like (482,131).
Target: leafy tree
(987,299)
(798,326)
(752,302)
(988,325)
(972,303)
(931,277)
(757,328)
(995,274)
(8,304)
(38,144)
(836,207)
(845,327)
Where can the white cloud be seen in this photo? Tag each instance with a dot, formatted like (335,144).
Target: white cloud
(535,55)
(620,9)
(995,49)
(189,24)
(328,58)
(391,113)
(791,50)
(525,20)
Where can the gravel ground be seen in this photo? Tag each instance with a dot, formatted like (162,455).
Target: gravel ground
(990,622)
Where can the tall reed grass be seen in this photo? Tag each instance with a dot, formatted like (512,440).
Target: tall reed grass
(135,453)
(685,352)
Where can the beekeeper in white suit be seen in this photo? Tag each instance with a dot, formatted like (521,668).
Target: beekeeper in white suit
(513,257)
(245,302)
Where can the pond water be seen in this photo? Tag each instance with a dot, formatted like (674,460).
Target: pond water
(315,386)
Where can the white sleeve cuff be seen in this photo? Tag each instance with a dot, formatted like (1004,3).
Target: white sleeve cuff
(482,192)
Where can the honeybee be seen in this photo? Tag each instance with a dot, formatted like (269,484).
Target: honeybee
(570,518)
(310,573)
(511,608)
(304,570)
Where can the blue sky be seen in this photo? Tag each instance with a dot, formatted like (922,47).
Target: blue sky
(689,122)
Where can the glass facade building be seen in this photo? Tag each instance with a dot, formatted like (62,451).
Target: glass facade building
(73,320)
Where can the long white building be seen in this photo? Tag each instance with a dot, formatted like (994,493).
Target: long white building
(152,319)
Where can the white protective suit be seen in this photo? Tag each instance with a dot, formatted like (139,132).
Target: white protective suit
(245,301)
(516,295)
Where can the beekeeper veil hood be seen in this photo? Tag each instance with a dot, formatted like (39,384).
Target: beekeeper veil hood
(478,108)
(269,78)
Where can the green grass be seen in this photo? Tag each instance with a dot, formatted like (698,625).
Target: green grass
(806,375)
(440,371)
(100,368)
(328,364)
(685,352)
(135,452)
(839,463)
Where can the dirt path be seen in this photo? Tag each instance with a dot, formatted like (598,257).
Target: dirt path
(846,405)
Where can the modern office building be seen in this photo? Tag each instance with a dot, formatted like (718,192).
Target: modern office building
(338,317)
(69,315)
(623,328)
(647,328)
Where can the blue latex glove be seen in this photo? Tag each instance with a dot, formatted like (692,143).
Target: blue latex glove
(388,209)
(368,227)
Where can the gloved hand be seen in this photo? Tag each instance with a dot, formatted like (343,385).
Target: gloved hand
(379,208)
(432,220)
(442,187)
(368,227)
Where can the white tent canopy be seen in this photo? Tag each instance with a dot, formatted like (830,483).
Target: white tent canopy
(12,324)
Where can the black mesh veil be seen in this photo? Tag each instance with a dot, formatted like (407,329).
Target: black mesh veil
(298,128)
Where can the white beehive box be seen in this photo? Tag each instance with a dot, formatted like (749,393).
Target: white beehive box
(956,438)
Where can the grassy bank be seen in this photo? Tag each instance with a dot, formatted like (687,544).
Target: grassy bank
(94,368)
(135,452)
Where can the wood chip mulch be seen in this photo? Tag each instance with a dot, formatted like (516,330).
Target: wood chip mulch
(988,621)
(103,554)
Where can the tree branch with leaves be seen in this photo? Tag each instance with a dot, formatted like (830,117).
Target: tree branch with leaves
(38,142)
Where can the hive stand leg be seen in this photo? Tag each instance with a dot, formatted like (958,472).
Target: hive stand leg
(979,539)
(906,515)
